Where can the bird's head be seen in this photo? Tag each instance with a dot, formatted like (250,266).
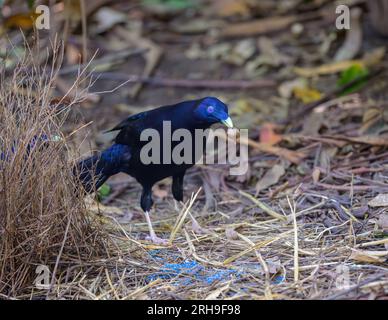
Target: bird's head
(211,110)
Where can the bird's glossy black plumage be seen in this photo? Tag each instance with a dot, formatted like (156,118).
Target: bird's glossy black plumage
(124,155)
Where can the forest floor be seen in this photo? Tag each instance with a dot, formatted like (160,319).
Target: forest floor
(309,220)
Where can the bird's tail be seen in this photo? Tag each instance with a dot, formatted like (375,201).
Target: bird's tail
(92,172)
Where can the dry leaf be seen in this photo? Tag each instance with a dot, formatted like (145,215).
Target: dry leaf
(231,234)
(307,95)
(106,18)
(316,174)
(286,89)
(369,59)
(270,178)
(195,26)
(269,56)
(268,134)
(380,201)
(383,221)
(369,256)
(152,55)
(313,123)
(73,55)
(373,120)
(325,157)
(290,155)
(229,8)
(381,141)
(23,21)
(257,27)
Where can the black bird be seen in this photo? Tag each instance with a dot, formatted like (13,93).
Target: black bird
(125,154)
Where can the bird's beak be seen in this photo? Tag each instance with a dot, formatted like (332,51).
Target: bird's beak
(228,122)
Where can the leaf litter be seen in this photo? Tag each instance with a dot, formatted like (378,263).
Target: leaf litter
(315,199)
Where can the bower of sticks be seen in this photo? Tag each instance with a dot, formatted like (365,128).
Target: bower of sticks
(307,220)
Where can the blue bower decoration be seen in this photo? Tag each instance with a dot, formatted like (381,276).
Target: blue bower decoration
(188,271)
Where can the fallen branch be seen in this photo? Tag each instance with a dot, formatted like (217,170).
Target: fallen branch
(188,83)
(93,63)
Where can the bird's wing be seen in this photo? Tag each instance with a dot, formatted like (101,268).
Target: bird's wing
(128,121)
(116,158)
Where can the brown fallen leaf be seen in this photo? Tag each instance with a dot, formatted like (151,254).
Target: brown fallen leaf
(268,134)
(257,27)
(379,201)
(106,18)
(370,59)
(369,256)
(239,53)
(269,55)
(371,140)
(196,26)
(92,6)
(313,123)
(153,54)
(231,234)
(270,178)
(229,8)
(325,157)
(286,89)
(374,120)
(21,20)
(290,155)
(316,174)
(73,54)
(296,138)
(383,221)
(326,69)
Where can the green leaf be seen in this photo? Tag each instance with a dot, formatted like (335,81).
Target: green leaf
(104,191)
(170,4)
(31,4)
(356,71)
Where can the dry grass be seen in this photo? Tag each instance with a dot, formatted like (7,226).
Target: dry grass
(42,220)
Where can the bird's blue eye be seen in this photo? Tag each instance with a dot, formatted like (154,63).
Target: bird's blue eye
(210,109)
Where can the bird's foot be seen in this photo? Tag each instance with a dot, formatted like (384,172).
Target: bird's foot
(156,240)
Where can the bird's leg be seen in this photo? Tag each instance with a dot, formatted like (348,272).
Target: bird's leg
(176,205)
(146,204)
(177,186)
(153,237)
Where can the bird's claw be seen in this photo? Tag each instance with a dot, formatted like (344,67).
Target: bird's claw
(156,240)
